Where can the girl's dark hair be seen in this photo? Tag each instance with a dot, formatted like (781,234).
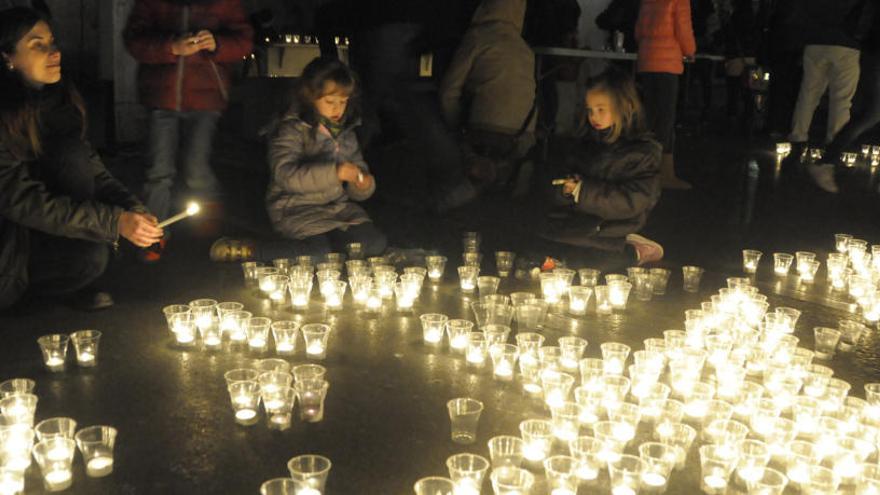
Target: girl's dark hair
(629,119)
(313,82)
(19,104)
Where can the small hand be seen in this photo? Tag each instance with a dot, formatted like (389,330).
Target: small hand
(185,45)
(139,228)
(205,40)
(364,181)
(348,172)
(569,185)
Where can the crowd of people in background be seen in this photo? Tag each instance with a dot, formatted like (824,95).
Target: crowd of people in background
(60,210)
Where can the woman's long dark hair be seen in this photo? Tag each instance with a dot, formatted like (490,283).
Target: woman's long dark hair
(315,77)
(19,104)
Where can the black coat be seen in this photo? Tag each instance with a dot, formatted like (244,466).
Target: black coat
(620,186)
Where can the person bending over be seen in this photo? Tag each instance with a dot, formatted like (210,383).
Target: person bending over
(611,182)
(316,172)
(60,209)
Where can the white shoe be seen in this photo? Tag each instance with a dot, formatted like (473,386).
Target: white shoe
(823,176)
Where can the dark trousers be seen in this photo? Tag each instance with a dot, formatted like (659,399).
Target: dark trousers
(59,265)
(660,94)
(372,240)
(869,114)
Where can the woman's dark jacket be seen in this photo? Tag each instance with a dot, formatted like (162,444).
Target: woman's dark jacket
(620,186)
(28,203)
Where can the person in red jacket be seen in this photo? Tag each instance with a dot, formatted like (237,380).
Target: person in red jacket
(185,49)
(666,37)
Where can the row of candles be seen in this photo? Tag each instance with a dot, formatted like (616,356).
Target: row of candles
(53,442)
(869,153)
(54,349)
(736,379)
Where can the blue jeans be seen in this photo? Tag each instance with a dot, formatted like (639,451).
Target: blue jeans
(372,240)
(189,135)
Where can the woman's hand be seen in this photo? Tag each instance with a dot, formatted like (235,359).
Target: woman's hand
(185,45)
(139,228)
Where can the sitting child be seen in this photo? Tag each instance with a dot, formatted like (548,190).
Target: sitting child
(316,170)
(612,181)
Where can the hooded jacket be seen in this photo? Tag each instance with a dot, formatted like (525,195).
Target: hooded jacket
(490,82)
(665,35)
(620,186)
(305,197)
(200,81)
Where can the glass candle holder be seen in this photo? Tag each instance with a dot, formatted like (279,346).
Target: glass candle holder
(311,392)
(585,450)
(561,474)
(16,444)
(55,427)
(458,331)
(316,336)
(782,263)
(300,291)
(308,372)
(770,482)
(211,333)
(96,443)
(11,480)
(615,388)
(572,350)
(85,344)
(435,266)
(183,325)
(512,481)
(265,280)
(530,315)
(618,293)
(566,420)
(750,260)
(467,277)
(822,481)
(603,300)
(384,281)
(850,333)
(55,458)
(309,473)
(360,288)
(659,460)
(171,310)
(434,485)
(285,333)
(614,357)
(464,416)
(16,386)
(19,409)
(556,386)
(472,258)
(578,297)
(716,465)
(278,486)
(487,285)
(334,295)
(627,417)
(505,451)
(257,330)
(643,286)
(825,341)
(234,324)
(678,435)
(54,349)
(477,349)
(504,358)
(691,276)
(249,271)
(626,473)
(537,435)
(589,277)
(504,262)
(467,472)
(659,280)
(433,327)
(610,434)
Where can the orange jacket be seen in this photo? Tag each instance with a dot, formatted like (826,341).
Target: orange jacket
(665,35)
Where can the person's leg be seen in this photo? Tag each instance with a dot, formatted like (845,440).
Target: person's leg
(869,114)
(813,85)
(844,77)
(371,238)
(198,134)
(650,86)
(164,139)
(664,130)
(60,265)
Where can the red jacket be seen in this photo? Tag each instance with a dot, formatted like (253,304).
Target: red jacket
(665,35)
(200,81)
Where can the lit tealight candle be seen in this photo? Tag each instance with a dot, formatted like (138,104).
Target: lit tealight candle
(433,336)
(54,363)
(273,404)
(284,347)
(99,466)
(799,473)
(57,454)
(535,450)
(653,479)
(474,356)
(504,370)
(459,342)
(586,472)
(85,358)
(623,432)
(300,300)
(559,491)
(258,343)
(308,491)
(212,341)
(315,348)
(185,337)
(434,274)
(622,490)
(715,482)
(245,414)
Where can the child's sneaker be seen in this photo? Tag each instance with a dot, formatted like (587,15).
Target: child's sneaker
(647,251)
(229,249)
(153,253)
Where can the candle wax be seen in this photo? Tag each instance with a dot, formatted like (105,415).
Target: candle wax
(587,472)
(532,388)
(245,414)
(715,482)
(476,357)
(283,347)
(86,357)
(58,478)
(273,404)
(623,490)
(212,341)
(54,362)
(504,370)
(99,466)
(623,432)
(653,479)
(257,343)
(315,348)
(433,336)
(185,338)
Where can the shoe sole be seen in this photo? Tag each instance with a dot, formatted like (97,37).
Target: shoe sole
(644,240)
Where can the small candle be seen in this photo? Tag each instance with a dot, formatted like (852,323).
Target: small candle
(554,398)
(280,419)
(459,342)
(750,473)
(284,347)
(466,487)
(277,296)
(315,348)
(532,388)
(308,491)
(847,468)
(433,336)
(534,451)
(11,486)
(467,285)
(333,301)
(238,336)
(799,473)
(405,302)
(474,356)
(245,414)
(257,343)
(99,466)
(622,490)
(434,274)
(715,482)
(85,358)
(57,454)
(273,404)
(624,432)
(184,337)
(751,266)
(585,472)
(653,479)
(300,300)
(557,491)
(58,479)
(54,363)
(504,370)
(203,321)
(212,341)
(374,302)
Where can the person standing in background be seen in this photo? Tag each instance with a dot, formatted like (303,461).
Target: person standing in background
(665,37)
(185,49)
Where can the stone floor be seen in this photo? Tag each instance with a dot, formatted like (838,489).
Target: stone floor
(385,424)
